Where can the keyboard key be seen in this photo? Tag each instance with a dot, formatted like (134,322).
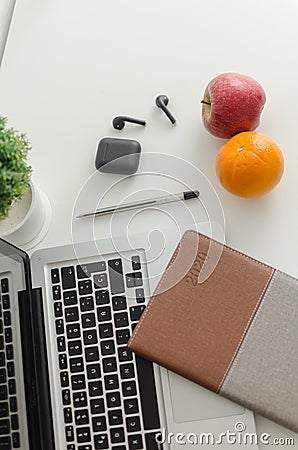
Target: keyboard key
(73,331)
(136,263)
(62,361)
(134,279)
(109,364)
(5,443)
(122,336)
(90,337)
(2,359)
(6,301)
(87,303)
(95,388)
(78,382)
(104,314)
(68,277)
(79,399)
(101,441)
(93,371)
(13,404)
(131,406)
(56,292)
(85,270)
(135,442)
(64,379)
(121,319)
(140,295)
(99,424)
(67,412)
(59,323)
(81,273)
(12,387)
(84,447)
(4,410)
(129,389)
(105,330)
(102,297)
(113,399)
(107,347)
(127,371)
(10,370)
(72,314)
(1,342)
(2,375)
(71,447)
(61,346)
(9,352)
(88,320)
(58,311)
(14,419)
(83,434)
(66,397)
(55,276)
(16,441)
(100,281)
(8,335)
(133,424)
(116,276)
(3,393)
(70,298)
(111,382)
(69,434)
(119,303)
(4,285)
(117,435)
(75,348)
(76,365)
(124,354)
(151,442)
(147,393)
(115,417)
(97,406)
(7,318)
(136,312)
(4,427)
(91,354)
(119,447)
(85,287)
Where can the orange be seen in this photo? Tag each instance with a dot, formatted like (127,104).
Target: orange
(250,164)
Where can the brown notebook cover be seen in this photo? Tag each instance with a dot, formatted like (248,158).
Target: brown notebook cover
(233,330)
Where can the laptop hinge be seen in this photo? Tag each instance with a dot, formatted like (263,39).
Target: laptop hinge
(35,363)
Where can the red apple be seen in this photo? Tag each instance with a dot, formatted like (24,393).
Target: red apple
(232,103)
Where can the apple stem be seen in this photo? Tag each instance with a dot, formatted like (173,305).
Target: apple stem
(205,103)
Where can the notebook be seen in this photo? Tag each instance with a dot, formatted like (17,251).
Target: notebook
(230,327)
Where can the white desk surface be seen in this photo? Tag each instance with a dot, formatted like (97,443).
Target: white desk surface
(70,66)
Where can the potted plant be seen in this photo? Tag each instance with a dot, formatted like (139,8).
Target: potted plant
(24,209)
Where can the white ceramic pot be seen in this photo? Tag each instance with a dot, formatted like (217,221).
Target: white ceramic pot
(29,219)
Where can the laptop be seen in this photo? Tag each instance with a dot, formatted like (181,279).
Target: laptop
(67,380)
(6,12)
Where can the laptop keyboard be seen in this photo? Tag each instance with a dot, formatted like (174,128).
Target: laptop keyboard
(108,394)
(9,419)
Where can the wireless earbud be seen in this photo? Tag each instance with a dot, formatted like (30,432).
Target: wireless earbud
(161,102)
(119,122)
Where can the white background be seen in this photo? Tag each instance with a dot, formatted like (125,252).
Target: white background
(72,65)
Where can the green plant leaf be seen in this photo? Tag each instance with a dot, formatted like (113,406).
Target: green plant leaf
(15,173)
